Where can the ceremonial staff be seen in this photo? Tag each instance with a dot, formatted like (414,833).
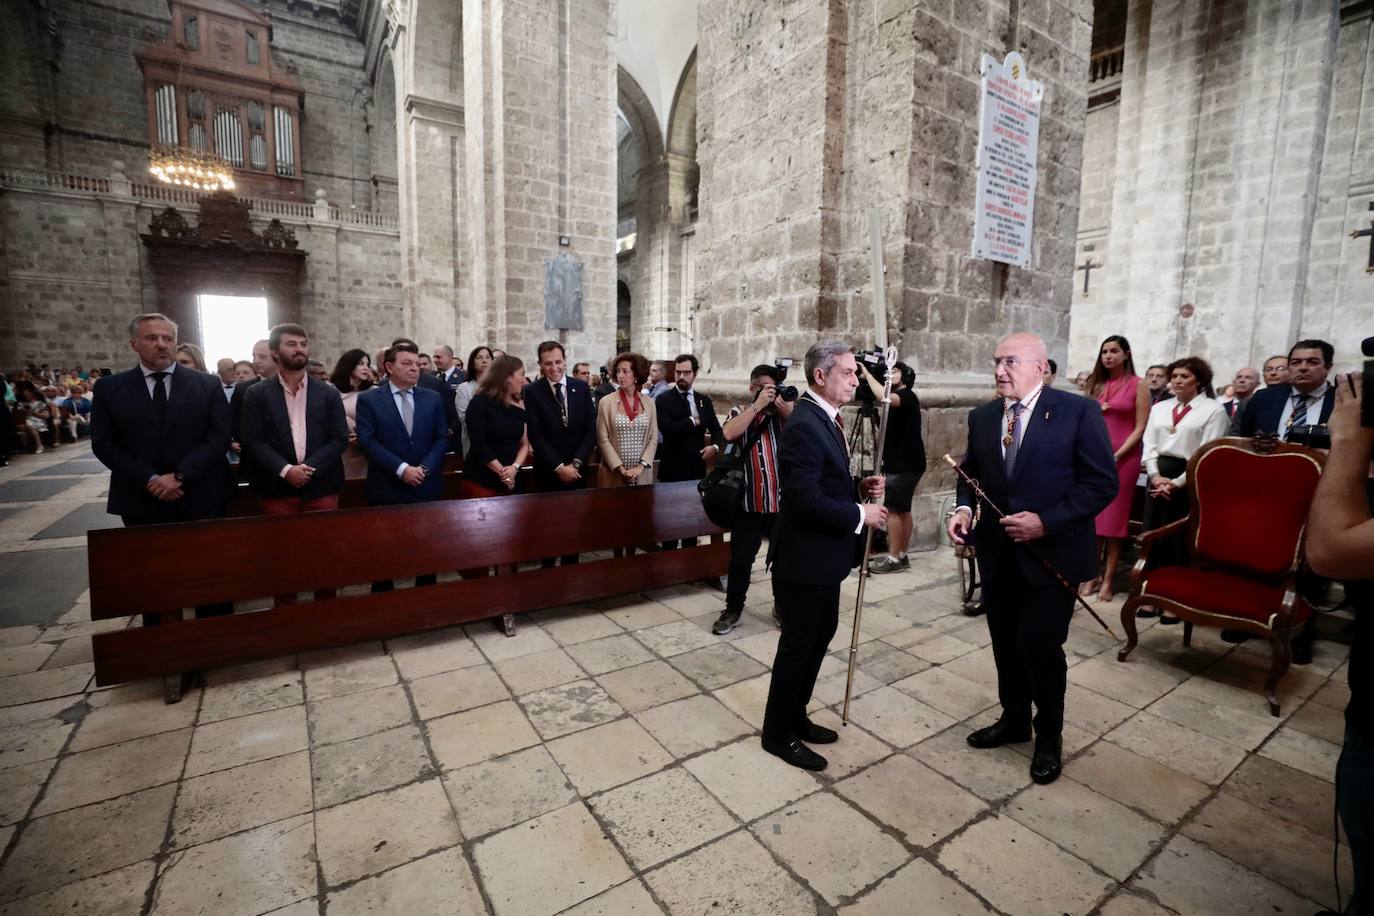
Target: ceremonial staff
(1044,561)
(889,358)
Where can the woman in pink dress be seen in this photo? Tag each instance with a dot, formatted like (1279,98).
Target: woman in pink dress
(1125,400)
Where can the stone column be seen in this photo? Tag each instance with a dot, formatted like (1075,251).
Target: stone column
(657,292)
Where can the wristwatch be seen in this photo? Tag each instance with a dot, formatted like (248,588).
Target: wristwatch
(646,465)
(180,477)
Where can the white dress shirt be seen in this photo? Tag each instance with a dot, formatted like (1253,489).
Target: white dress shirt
(1206,420)
(1028,402)
(1314,407)
(397,395)
(832,412)
(150,381)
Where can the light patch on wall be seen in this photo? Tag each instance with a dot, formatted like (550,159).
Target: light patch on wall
(230,325)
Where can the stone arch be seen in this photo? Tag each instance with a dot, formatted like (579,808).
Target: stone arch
(382,129)
(682,119)
(638,143)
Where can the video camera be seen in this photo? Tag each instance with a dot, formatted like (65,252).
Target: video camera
(787,393)
(875,361)
(1367,405)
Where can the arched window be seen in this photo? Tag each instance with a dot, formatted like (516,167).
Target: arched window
(229,136)
(190,30)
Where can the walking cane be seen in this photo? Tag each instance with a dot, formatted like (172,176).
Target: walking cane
(889,357)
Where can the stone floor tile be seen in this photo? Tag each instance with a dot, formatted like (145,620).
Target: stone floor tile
(660,816)
(1200,756)
(695,724)
(1284,792)
(87,841)
(19,636)
(45,685)
(749,780)
(1294,856)
(761,647)
(479,734)
(830,845)
(434,652)
(731,875)
(344,678)
(108,772)
(495,794)
(1135,681)
(139,718)
(538,671)
(241,875)
(36,711)
(29,743)
(442,879)
(609,654)
(645,686)
(373,834)
(746,699)
(572,707)
(1140,783)
(829,689)
(1127,904)
(351,769)
(948,692)
(897,718)
(249,695)
(19,786)
(608,755)
(642,614)
(1187,877)
(675,638)
(695,602)
(24,658)
(456,691)
(221,745)
(889,665)
(225,802)
(1118,840)
(116,893)
(918,802)
(1019,871)
(575,625)
(353,716)
(1334,693)
(628,899)
(1245,728)
(717,666)
(1093,712)
(71,652)
(992,774)
(249,671)
(917,884)
(1316,756)
(1319,721)
(939,648)
(978,666)
(576,862)
(497,646)
(855,750)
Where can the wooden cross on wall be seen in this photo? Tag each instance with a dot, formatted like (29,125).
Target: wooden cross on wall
(1087,267)
(1369,231)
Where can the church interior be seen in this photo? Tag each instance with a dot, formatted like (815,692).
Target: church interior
(578,211)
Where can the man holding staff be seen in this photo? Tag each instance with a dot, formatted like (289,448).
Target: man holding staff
(1044,459)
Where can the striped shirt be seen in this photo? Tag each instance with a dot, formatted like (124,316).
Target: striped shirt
(761,470)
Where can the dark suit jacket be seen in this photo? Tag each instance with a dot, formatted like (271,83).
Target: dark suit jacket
(1262,411)
(1065,473)
(126,438)
(679,457)
(382,437)
(236,406)
(553,443)
(814,538)
(440,387)
(268,446)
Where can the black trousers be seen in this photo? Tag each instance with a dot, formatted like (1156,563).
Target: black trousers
(218,609)
(746,537)
(1029,624)
(810,614)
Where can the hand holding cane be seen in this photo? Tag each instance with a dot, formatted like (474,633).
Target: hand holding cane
(1044,561)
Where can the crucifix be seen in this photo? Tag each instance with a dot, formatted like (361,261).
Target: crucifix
(1369,231)
(1087,267)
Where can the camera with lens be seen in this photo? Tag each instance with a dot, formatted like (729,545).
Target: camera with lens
(787,393)
(1312,435)
(875,361)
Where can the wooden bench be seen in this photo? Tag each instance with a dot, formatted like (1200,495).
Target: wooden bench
(164,568)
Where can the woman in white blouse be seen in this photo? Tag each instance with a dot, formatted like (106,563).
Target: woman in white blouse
(478,361)
(1177,428)
(627,426)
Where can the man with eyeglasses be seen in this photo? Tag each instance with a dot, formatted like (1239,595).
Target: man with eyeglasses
(1042,456)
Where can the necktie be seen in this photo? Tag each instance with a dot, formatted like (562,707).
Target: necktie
(407,412)
(562,401)
(1014,434)
(160,395)
(1299,415)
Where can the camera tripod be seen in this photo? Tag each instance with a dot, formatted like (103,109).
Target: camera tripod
(864,460)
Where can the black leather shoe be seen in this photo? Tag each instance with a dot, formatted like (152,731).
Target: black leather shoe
(997,734)
(797,754)
(1046,762)
(812,733)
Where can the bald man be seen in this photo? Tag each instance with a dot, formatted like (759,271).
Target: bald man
(1044,458)
(1245,384)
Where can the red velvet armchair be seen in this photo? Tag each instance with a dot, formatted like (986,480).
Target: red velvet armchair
(1245,530)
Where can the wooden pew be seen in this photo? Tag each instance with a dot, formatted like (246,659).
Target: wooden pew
(159,567)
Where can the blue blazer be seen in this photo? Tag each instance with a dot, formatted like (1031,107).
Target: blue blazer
(382,437)
(814,540)
(1262,413)
(1065,473)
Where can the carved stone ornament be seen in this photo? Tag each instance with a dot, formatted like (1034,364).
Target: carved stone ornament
(172,224)
(277,235)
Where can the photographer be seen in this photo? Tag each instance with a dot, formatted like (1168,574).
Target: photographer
(1340,544)
(761,421)
(904,461)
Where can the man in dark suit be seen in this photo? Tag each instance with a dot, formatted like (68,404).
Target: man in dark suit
(432,382)
(294,435)
(403,432)
(684,419)
(814,547)
(1305,400)
(561,419)
(447,367)
(162,430)
(1044,457)
(263,368)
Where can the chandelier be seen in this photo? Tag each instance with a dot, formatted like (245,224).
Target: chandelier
(179,165)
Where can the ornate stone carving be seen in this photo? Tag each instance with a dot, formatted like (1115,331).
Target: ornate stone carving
(170,223)
(277,235)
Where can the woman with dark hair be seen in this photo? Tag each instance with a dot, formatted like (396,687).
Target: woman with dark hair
(479,360)
(1125,401)
(1177,428)
(352,375)
(495,424)
(627,426)
(189,356)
